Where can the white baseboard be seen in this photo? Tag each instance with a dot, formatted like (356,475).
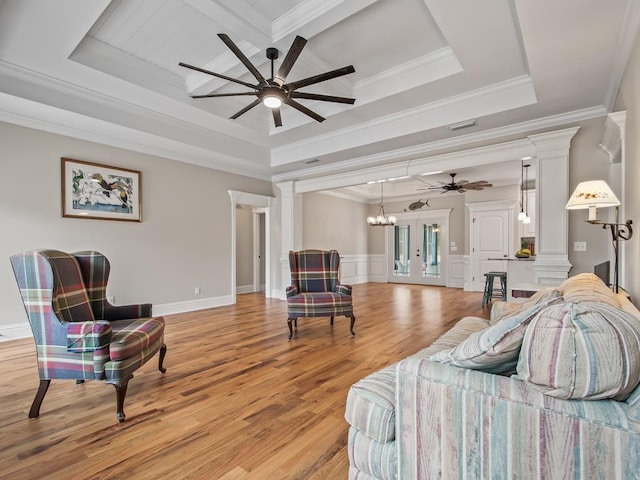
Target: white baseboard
(191,305)
(15,331)
(240,289)
(23,330)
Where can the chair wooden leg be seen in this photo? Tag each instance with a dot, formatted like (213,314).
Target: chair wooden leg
(121,393)
(79,381)
(163,352)
(332,321)
(42,391)
(289,322)
(353,320)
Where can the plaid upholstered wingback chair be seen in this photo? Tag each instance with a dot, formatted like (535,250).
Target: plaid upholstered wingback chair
(315,290)
(78,334)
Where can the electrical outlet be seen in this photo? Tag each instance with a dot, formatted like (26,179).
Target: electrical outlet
(579,246)
(197,291)
(454,248)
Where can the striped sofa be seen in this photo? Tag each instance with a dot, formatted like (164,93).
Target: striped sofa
(78,334)
(566,405)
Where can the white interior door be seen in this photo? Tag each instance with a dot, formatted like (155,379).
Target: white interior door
(418,250)
(491,241)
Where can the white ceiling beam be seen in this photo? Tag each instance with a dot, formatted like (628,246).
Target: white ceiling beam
(428,68)
(238,22)
(311,17)
(462,159)
(513,93)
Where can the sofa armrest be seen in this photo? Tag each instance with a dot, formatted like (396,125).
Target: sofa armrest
(124,312)
(472,424)
(88,336)
(343,289)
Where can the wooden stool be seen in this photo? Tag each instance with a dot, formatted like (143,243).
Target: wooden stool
(489,293)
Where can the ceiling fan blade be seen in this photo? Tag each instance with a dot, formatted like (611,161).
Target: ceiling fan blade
(320,78)
(241,56)
(277,119)
(303,109)
(323,98)
(214,95)
(292,55)
(478,184)
(219,75)
(246,109)
(462,182)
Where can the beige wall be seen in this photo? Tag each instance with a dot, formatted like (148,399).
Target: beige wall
(184,239)
(330,222)
(587,161)
(244,245)
(629,99)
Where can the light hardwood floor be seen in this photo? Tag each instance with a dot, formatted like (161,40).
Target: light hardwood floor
(238,400)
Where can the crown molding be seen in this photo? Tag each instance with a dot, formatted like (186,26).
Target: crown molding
(613,135)
(625,44)
(50,119)
(198,121)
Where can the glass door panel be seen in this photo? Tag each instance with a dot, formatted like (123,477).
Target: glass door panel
(401,251)
(416,252)
(431,260)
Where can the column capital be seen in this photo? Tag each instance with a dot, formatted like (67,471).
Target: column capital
(553,143)
(287,188)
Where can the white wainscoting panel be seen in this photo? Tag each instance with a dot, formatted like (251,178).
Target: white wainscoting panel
(456,277)
(378,268)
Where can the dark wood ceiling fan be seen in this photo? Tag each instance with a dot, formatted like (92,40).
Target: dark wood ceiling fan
(274,92)
(461,186)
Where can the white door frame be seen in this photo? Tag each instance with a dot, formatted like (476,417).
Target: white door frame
(253,200)
(257,243)
(442,216)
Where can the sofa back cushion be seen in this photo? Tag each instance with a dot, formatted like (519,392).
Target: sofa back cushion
(587,287)
(494,349)
(586,350)
(501,310)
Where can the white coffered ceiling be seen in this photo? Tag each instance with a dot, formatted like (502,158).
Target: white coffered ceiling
(108,71)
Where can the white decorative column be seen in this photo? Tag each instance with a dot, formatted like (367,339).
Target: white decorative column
(613,143)
(291,217)
(552,192)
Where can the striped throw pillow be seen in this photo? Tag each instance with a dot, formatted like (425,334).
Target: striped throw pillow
(494,349)
(585,350)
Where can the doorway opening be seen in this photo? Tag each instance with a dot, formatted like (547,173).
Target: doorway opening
(252,235)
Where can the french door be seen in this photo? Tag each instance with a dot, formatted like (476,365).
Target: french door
(417,250)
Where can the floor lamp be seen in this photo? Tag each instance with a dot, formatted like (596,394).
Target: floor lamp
(597,194)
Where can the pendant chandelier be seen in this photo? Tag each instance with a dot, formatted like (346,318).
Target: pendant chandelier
(381,220)
(523,216)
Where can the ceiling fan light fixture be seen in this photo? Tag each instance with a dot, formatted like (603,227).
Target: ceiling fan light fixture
(271,101)
(272,97)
